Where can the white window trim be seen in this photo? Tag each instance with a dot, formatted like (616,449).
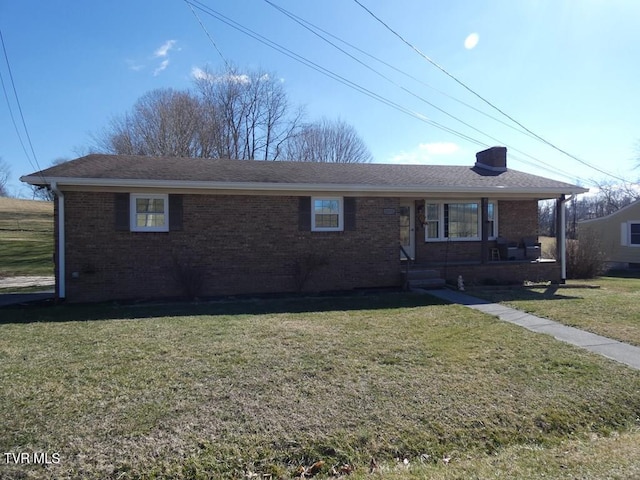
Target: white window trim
(132,212)
(340,226)
(442,238)
(629,223)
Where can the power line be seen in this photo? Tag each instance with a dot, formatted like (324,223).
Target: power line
(334,76)
(208,35)
(461,83)
(305,61)
(24,123)
(314,30)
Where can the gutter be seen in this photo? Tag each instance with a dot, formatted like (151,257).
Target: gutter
(60,280)
(279,187)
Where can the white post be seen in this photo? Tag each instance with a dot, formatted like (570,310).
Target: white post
(562,236)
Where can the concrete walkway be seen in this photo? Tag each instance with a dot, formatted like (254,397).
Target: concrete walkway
(618,351)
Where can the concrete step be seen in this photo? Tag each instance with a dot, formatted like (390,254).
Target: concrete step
(427,283)
(422,273)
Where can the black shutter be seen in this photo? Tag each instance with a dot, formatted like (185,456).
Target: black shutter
(349,213)
(175,212)
(304,214)
(122,212)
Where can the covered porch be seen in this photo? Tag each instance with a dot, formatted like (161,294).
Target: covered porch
(486,241)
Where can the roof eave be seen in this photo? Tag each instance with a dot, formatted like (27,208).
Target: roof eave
(540,192)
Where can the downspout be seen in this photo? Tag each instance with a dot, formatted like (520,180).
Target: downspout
(61,242)
(562,235)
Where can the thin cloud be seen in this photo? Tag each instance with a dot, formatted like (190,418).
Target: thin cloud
(200,74)
(160,53)
(424,153)
(164,49)
(135,66)
(161,67)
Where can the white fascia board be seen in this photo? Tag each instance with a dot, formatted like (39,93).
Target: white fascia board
(297,187)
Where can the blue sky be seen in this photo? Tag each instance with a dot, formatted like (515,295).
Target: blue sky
(568,70)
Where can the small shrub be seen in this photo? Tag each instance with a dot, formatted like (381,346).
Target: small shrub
(585,258)
(188,276)
(305,266)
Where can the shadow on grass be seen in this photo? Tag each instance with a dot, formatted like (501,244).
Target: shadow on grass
(550,292)
(228,306)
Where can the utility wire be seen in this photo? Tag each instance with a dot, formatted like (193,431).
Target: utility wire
(209,36)
(24,124)
(305,61)
(461,83)
(315,29)
(312,28)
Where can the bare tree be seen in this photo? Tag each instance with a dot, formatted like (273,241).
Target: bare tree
(230,114)
(163,122)
(44,192)
(5,172)
(333,141)
(246,115)
(547,218)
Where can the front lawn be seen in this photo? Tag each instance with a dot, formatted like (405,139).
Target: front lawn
(613,310)
(265,388)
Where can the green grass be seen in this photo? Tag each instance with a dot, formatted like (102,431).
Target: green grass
(227,389)
(26,237)
(613,310)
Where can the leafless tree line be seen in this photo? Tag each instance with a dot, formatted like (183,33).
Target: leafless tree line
(4,178)
(230,114)
(609,198)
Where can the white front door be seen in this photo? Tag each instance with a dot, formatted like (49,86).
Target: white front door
(407,229)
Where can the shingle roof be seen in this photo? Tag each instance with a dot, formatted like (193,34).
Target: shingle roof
(114,170)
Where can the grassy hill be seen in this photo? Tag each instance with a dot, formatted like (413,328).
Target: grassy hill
(26,237)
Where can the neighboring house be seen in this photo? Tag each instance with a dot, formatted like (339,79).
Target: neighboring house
(618,234)
(142,227)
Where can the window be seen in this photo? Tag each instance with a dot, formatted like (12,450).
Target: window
(432,227)
(149,213)
(458,221)
(491,220)
(634,234)
(461,220)
(326,214)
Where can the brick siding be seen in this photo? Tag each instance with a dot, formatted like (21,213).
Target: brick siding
(502,272)
(238,244)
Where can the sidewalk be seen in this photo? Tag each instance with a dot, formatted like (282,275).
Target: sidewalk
(613,349)
(7,297)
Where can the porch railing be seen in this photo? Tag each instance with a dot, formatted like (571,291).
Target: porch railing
(407,265)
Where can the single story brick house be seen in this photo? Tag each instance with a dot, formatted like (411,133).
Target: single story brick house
(618,234)
(141,227)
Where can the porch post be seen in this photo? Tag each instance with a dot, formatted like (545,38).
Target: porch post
(561,237)
(484,219)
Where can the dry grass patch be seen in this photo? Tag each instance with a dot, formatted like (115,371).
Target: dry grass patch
(226,390)
(613,310)
(26,237)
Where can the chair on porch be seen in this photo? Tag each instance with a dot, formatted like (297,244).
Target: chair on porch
(508,250)
(532,247)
